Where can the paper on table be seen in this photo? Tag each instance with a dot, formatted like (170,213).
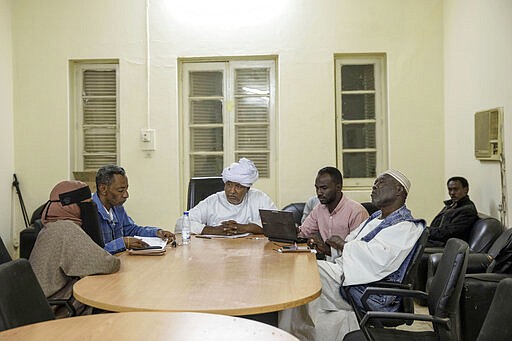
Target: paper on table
(156,246)
(233,236)
(147,252)
(153,241)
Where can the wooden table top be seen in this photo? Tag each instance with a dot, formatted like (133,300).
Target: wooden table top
(149,326)
(224,276)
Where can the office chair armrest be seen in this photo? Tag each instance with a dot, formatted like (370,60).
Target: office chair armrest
(67,303)
(403,316)
(388,292)
(388,284)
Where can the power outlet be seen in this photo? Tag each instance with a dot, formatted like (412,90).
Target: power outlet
(148,139)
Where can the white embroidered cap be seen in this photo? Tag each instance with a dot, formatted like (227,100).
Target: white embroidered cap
(400,177)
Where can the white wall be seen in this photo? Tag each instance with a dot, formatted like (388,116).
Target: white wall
(304,34)
(478,74)
(7,195)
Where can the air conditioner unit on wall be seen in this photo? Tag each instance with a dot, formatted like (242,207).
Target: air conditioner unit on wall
(488,130)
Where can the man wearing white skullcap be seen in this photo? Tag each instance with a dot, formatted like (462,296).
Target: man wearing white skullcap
(378,249)
(236,208)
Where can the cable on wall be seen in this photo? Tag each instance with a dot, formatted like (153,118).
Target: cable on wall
(148,69)
(148,134)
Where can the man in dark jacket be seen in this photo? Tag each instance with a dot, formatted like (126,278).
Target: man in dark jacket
(457,217)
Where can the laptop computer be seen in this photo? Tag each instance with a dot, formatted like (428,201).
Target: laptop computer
(279,226)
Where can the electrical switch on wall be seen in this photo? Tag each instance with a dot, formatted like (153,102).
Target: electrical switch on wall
(148,139)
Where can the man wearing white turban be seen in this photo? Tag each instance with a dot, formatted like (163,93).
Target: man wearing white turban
(236,208)
(380,248)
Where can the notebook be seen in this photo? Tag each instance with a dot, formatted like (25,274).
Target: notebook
(279,226)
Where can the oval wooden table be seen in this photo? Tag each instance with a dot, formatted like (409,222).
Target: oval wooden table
(148,326)
(224,276)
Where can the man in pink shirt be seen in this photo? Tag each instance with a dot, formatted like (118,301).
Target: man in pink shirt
(335,215)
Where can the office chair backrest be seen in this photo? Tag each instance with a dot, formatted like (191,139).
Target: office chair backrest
(410,272)
(37,214)
(497,322)
(370,207)
(5,256)
(482,234)
(200,188)
(297,209)
(90,222)
(412,269)
(22,300)
(444,294)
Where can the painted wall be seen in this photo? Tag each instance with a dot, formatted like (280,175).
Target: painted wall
(304,34)
(478,73)
(7,195)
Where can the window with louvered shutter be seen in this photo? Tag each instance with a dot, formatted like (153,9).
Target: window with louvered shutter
(361,118)
(228,109)
(98,139)
(252,117)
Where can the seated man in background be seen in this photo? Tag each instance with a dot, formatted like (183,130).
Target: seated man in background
(63,252)
(335,215)
(380,248)
(457,216)
(236,209)
(117,227)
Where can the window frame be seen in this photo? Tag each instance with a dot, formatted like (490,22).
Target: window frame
(78,69)
(381,116)
(227,65)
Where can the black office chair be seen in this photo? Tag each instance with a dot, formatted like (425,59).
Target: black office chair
(497,322)
(406,303)
(297,209)
(443,303)
(22,300)
(202,187)
(28,235)
(370,207)
(5,256)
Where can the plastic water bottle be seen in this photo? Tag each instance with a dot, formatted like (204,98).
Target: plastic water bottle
(185,229)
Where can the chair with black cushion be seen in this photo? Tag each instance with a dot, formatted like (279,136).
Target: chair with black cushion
(200,188)
(22,300)
(28,235)
(5,256)
(37,214)
(497,322)
(28,238)
(370,207)
(407,303)
(443,303)
(483,274)
(484,231)
(297,209)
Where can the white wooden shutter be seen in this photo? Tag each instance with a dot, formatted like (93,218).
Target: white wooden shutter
(252,116)
(99,117)
(206,128)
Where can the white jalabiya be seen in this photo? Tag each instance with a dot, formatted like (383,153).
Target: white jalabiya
(215,209)
(330,317)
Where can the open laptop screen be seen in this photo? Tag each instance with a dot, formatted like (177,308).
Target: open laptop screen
(279,226)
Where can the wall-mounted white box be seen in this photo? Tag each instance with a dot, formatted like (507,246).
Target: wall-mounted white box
(148,139)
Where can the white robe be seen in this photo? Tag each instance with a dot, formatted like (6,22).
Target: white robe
(216,208)
(330,317)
